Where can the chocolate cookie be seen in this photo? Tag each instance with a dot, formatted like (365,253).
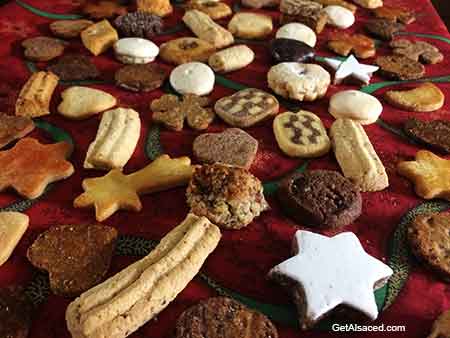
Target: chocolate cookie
(140,77)
(435,134)
(139,24)
(75,67)
(383,29)
(43,48)
(15,313)
(289,50)
(320,198)
(400,67)
(222,317)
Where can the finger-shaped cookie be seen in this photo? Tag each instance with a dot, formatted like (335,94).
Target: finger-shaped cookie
(231,59)
(117,137)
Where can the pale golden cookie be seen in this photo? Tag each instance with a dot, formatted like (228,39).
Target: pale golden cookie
(159,7)
(99,37)
(184,50)
(12,227)
(215,9)
(341,3)
(231,59)
(250,25)
(425,98)
(369,3)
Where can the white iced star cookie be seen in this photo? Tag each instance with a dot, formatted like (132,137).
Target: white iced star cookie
(330,271)
(350,68)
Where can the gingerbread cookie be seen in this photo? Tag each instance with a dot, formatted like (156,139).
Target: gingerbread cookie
(140,78)
(216,10)
(383,29)
(183,50)
(344,44)
(304,11)
(441,326)
(158,7)
(426,97)
(99,37)
(74,67)
(435,133)
(13,128)
(400,67)
(43,48)
(395,14)
(250,25)
(12,227)
(171,111)
(246,107)
(68,29)
(417,50)
(15,313)
(139,24)
(103,9)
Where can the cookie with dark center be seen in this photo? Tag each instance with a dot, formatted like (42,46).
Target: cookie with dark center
(289,50)
(320,198)
(436,134)
(15,313)
(74,67)
(140,77)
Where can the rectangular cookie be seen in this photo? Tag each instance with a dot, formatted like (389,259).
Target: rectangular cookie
(356,156)
(123,303)
(307,12)
(99,37)
(12,227)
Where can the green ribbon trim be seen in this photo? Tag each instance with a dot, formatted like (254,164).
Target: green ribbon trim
(422,35)
(48,15)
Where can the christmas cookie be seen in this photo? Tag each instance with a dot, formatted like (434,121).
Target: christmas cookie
(288,50)
(74,67)
(140,77)
(139,24)
(13,128)
(304,11)
(15,313)
(417,50)
(344,44)
(400,67)
(231,59)
(214,9)
(339,17)
(99,37)
(395,14)
(43,48)
(383,29)
(350,70)
(356,105)
(161,8)
(426,97)
(192,78)
(68,29)
(183,50)
(12,227)
(297,31)
(135,50)
(435,133)
(250,25)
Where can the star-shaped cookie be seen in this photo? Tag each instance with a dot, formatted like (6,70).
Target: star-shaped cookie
(332,271)
(350,68)
(30,166)
(429,173)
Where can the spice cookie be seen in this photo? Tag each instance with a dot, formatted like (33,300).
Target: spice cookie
(141,77)
(222,317)
(233,146)
(15,313)
(246,107)
(250,25)
(139,24)
(192,78)
(68,29)
(231,59)
(288,50)
(344,44)
(161,8)
(231,197)
(299,81)
(417,50)
(429,241)
(426,97)
(307,12)
(260,3)
(356,105)
(135,50)
(435,133)
(216,10)
(383,29)
(320,198)
(12,227)
(396,14)
(400,67)
(74,67)
(103,9)
(99,37)
(441,326)
(297,31)
(43,48)
(369,3)
(13,128)
(183,50)
(339,17)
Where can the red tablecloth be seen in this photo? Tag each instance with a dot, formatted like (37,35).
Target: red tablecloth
(239,265)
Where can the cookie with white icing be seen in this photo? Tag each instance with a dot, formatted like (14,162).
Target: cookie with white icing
(355,105)
(339,16)
(297,31)
(135,50)
(192,78)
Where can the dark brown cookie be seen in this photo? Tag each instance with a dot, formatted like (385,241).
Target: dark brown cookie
(103,9)
(13,127)
(15,313)
(383,29)
(76,257)
(43,48)
(222,317)
(68,29)
(139,24)
(140,77)
(74,67)
(232,146)
(400,67)
(435,133)
(320,198)
(429,239)
(289,50)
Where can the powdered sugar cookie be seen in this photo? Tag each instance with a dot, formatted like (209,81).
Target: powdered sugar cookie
(297,31)
(340,17)
(135,50)
(355,105)
(192,78)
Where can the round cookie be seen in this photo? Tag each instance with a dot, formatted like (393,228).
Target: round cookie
(74,67)
(192,78)
(250,25)
(430,242)
(297,31)
(68,29)
(355,105)
(135,50)
(140,77)
(183,50)
(320,198)
(43,48)
(222,317)
(400,67)
(299,81)
(339,16)
(289,50)
(139,24)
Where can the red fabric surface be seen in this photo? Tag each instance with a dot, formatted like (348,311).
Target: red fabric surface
(243,257)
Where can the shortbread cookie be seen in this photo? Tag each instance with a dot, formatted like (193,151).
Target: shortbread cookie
(260,3)
(344,44)
(99,37)
(396,14)
(13,128)
(115,191)
(429,173)
(301,134)
(34,97)
(400,67)
(417,50)
(43,48)
(441,326)
(233,146)
(127,300)
(304,11)
(192,78)
(135,50)
(68,29)
(356,156)
(297,31)
(299,81)
(341,3)
(12,227)
(30,166)
(206,29)
(158,7)
(429,241)
(214,9)
(223,317)
(250,25)
(355,105)
(339,17)
(88,248)
(116,139)
(344,268)
(183,50)
(82,102)
(140,78)
(288,50)
(246,107)
(74,67)
(320,198)
(231,59)
(434,133)
(15,313)
(426,97)
(369,3)
(383,29)
(231,197)
(103,9)
(139,24)
(350,70)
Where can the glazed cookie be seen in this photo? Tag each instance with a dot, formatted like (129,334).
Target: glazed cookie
(43,48)
(301,134)
(214,9)
(140,78)
(161,8)
(74,67)
(288,50)
(303,82)
(183,50)
(192,78)
(417,50)
(400,67)
(344,44)
(68,29)
(383,29)
(250,25)
(427,97)
(139,24)
(231,59)
(356,105)
(135,50)
(435,133)
(320,198)
(304,11)
(339,17)
(350,70)
(297,31)
(99,37)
